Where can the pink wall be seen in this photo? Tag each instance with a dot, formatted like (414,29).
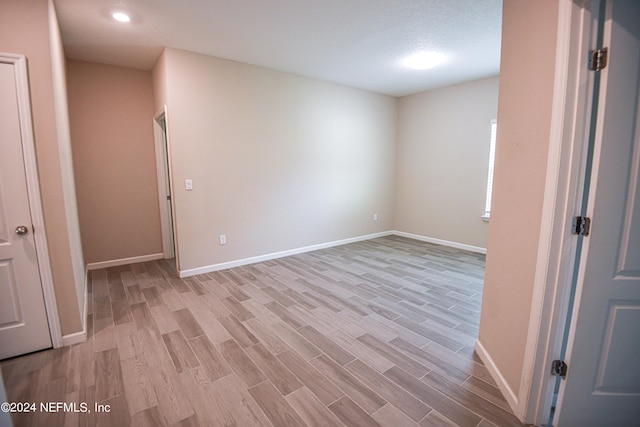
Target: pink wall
(111,114)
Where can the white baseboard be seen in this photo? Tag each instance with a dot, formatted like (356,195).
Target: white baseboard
(124,261)
(75,338)
(81,336)
(281,254)
(504,387)
(435,241)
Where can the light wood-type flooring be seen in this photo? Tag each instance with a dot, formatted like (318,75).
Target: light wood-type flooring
(379,332)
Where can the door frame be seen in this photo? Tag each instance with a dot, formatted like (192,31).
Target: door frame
(163,166)
(33,188)
(556,259)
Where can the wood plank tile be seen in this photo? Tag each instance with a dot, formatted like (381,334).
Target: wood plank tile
(300,299)
(351,414)
(241,364)
(448,407)
(435,419)
(311,410)
(266,336)
(278,296)
(213,363)
(155,352)
(388,390)
(433,335)
(195,285)
(108,375)
(296,341)
(230,404)
(127,341)
(400,359)
(285,315)
(237,309)
(213,329)
(134,294)
(117,415)
(330,348)
(121,312)
(116,291)
(178,285)
(389,415)
(238,331)
(150,417)
(188,324)
(152,296)
(142,316)
(317,383)
(361,394)
(234,290)
(180,352)
(164,319)
(173,400)
(463,363)
(486,391)
(137,385)
(277,409)
(102,308)
(429,360)
(281,377)
(472,401)
(386,305)
(361,351)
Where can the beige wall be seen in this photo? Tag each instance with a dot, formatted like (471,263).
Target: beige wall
(111,111)
(524,115)
(159,82)
(278,161)
(442,163)
(61,110)
(25,29)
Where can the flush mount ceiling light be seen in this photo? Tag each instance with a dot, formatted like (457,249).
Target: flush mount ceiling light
(121,17)
(424,60)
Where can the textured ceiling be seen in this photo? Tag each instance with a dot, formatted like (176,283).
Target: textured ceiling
(358,43)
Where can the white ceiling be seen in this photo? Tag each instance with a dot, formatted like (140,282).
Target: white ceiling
(358,43)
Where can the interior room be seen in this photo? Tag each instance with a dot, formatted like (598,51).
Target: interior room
(251,214)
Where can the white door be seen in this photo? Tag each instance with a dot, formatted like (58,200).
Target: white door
(23,318)
(602,387)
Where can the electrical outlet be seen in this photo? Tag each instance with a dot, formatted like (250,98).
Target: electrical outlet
(223,239)
(375,216)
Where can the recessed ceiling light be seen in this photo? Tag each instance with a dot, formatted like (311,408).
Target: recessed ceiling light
(424,60)
(121,16)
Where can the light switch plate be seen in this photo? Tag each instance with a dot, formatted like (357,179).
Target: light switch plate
(188,184)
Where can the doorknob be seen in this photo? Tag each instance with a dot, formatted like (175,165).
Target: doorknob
(21,230)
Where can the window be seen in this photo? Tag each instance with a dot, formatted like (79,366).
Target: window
(492,156)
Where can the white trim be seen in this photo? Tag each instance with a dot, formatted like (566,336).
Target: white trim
(74,338)
(33,189)
(124,261)
(491,366)
(161,152)
(556,248)
(281,254)
(449,243)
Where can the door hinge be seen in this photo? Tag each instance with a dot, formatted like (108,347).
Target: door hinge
(169,197)
(581,225)
(598,59)
(559,369)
